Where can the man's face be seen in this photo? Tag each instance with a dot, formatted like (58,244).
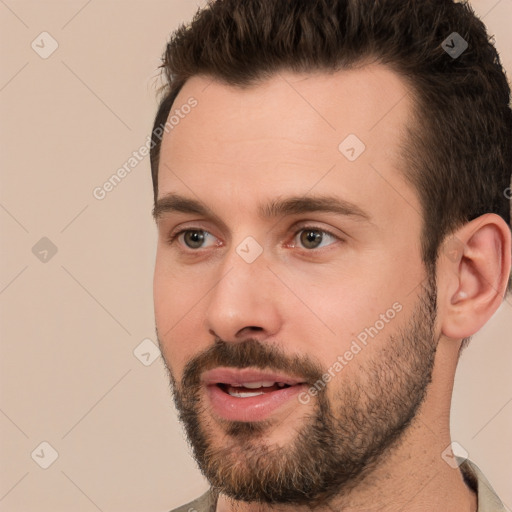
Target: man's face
(299,337)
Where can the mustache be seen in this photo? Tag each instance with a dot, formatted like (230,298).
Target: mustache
(249,353)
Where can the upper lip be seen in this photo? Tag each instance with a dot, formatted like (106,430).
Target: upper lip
(237,376)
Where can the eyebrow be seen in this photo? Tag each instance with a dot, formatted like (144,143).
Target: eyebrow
(294,205)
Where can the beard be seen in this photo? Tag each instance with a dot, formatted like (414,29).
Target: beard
(338,443)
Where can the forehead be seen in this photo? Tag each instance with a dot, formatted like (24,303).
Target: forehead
(286,133)
(359,99)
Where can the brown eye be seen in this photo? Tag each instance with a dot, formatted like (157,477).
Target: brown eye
(194,239)
(311,238)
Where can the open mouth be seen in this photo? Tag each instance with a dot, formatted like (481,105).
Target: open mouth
(249,394)
(250,389)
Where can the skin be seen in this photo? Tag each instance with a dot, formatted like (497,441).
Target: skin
(240,148)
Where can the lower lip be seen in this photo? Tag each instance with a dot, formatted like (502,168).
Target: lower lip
(254,408)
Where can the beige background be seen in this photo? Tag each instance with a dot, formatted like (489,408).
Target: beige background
(70,325)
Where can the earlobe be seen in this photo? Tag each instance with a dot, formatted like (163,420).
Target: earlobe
(474,278)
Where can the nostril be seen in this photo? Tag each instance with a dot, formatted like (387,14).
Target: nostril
(250,328)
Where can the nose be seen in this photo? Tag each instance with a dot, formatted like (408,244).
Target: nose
(244,302)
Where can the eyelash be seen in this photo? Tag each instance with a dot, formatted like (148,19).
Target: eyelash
(173,236)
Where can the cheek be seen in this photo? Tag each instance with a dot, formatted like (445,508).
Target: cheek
(164,288)
(175,292)
(176,317)
(356,313)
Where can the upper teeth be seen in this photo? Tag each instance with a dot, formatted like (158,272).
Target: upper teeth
(255,385)
(235,389)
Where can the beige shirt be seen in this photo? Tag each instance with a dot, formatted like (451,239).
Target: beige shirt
(488,501)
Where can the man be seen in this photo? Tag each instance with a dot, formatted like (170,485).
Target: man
(330,184)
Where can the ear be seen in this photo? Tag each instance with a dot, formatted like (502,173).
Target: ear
(473,271)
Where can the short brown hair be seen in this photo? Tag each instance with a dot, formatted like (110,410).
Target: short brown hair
(458,158)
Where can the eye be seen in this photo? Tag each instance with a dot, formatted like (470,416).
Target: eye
(192,238)
(311,237)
